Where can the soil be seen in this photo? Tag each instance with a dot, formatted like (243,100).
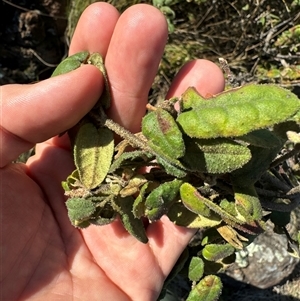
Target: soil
(32,39)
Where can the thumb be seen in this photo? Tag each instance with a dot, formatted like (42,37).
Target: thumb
(34,113)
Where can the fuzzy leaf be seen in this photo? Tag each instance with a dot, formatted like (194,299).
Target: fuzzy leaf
(296,117)
(196,269)
(163,134)
(80,210)
(190,199)
(138,208)
(181,216)
(190,99)
(136,156)
(103,216)
(215,156)
(208,289)
(132,224)
(96,60)
(247,203)
(261,138)
(93,152)
(71,63)
(72,181)
(258,164)
(172,166)
(158,201)
(239,111)
(215,252)
(228,206)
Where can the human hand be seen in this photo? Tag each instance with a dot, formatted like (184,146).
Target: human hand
(43,256)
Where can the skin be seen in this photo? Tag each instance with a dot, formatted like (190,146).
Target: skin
(43,257)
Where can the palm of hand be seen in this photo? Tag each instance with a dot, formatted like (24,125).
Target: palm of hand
(43,256)
(48,257)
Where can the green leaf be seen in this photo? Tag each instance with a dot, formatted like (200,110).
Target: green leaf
(215,252)
(127,158)
(190,98)
(132,224)
(190,199)
(228,206)
(172,166)
(196,269)
(163,134)
(71,182)
(138,208)
(71,63)
(258,164)
(165,140)
(103,216)
(93,152)
(80,210)
(239,111)
(247,202)
(208,289)
(181,216)
(96,60)
(215,156)
(261,138)
(158,201)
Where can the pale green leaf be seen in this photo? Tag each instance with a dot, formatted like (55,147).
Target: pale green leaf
(158,201)
(238,111)
(93,152)
(181,216)
(215,252)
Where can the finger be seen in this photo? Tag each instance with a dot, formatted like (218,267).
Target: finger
(94,29)
(34,113)
(84,86)
(204,75)
(48,168)
(93,33)
(132,60)
(168,241)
